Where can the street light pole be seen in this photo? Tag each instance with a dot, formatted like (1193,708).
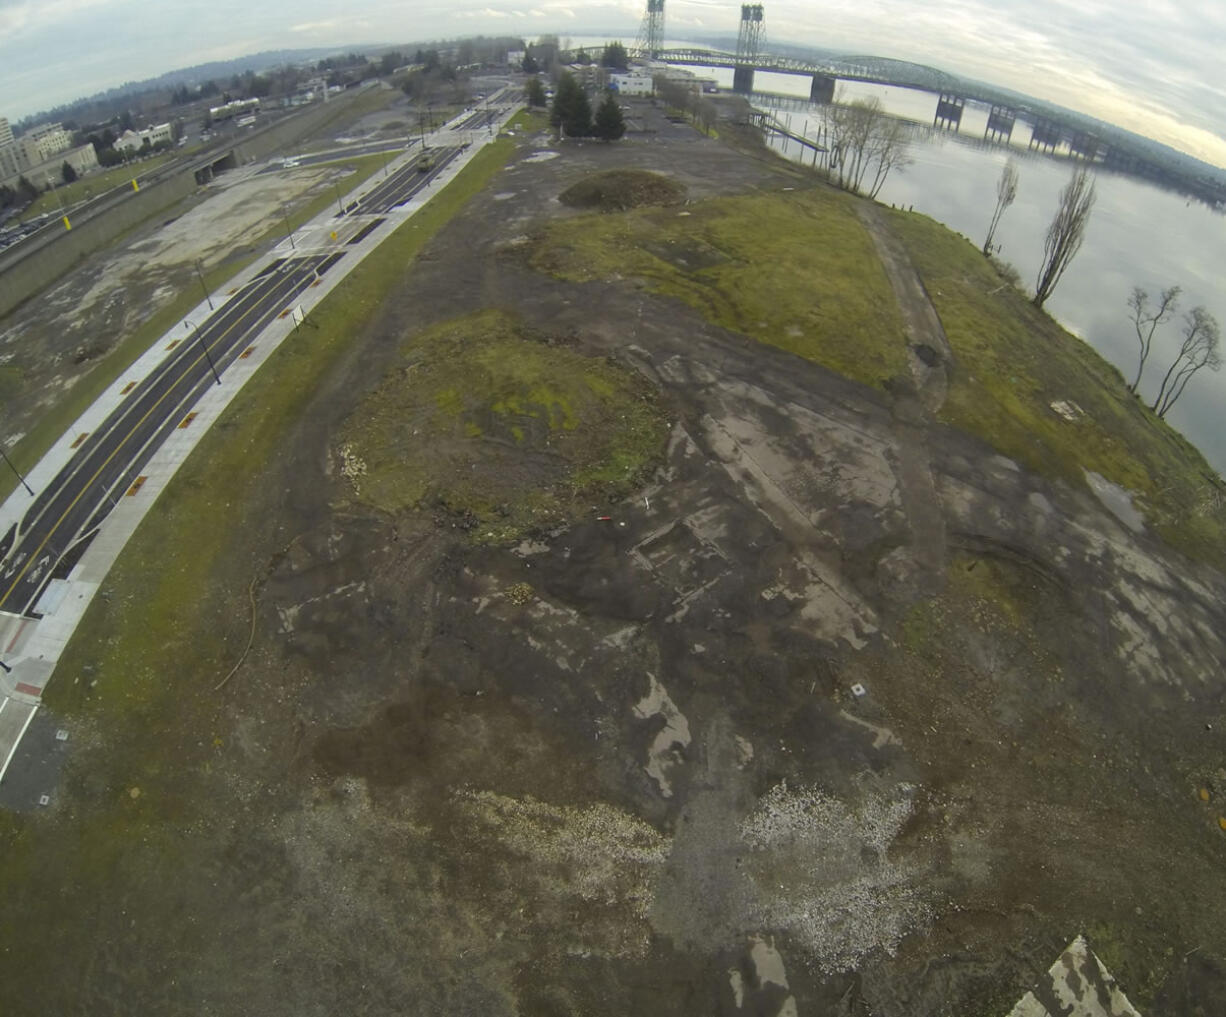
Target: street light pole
(4,456)
(289,231)
(200,276)
(207,355)
(340,207)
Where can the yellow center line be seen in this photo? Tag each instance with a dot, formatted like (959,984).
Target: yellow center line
(81,494)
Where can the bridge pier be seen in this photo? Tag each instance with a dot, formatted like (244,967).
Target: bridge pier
(1084,145)
(742,80)
(822,89)
(949,112)
(1045,135)
(1000,124)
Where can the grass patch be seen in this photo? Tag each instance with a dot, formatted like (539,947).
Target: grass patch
(622,190)
(91,186)
(529,120)
(27,452)
(157,647)
(156,615)
(1013,362)
(501,428)
(796,270)
(11,379)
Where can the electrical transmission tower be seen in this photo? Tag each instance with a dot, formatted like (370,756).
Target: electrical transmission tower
(651,32)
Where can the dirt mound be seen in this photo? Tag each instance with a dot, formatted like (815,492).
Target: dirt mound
(620,190)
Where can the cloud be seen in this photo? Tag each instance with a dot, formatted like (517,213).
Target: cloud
(328,25)
(26,16)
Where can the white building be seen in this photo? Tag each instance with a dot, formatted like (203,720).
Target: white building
(132,141)
(6,133)
(632,84)
(48,140)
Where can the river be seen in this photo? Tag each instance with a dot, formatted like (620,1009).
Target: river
(1138,234)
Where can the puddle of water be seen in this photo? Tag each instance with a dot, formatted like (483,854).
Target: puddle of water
(1117,500)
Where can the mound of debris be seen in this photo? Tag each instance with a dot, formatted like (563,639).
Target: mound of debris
(620,190)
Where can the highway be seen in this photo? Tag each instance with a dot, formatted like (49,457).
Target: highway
(65,515)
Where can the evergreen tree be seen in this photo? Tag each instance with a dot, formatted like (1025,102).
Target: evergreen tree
(610,125)
(571,110)
(67,172)
(536,92)
(615,57)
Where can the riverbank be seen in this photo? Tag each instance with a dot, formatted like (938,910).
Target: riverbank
(842,707)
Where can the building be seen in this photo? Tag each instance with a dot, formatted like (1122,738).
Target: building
(12,163)
(632,84)
(46,171)
(133,141)
(48,140)
(39,154)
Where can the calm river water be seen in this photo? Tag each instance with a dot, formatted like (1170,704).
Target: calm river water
(1138,235)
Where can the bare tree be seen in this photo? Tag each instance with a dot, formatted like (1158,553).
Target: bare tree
(1198,348)
(865,144)
(1146,321)
(1066,232)
(1006,192)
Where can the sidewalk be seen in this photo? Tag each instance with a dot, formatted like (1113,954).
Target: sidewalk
(32,648)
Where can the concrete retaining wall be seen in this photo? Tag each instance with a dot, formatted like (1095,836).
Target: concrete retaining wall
(25,273)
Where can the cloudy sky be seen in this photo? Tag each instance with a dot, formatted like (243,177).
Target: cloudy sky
(1153,66)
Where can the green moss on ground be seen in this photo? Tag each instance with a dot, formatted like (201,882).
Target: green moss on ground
(795,270)
(498,426)
(1012,362)
(155,613)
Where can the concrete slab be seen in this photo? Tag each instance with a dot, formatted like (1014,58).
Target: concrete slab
(1077,985)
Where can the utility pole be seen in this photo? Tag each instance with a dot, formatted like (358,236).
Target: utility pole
(4,456)
(289,232)
(203,286)
(207,355)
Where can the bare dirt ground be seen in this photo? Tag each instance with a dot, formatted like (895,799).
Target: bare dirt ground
(843,714)
(54,340)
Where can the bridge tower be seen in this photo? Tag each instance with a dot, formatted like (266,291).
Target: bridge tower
(1045,135)
(949,112)
(651,32)
(748,47)
(1000,124)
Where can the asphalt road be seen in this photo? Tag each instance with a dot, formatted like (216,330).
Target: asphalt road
(400,186)
(64,516)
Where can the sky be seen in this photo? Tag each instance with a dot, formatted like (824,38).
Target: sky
(1152,66)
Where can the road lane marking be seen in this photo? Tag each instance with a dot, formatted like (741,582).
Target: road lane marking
(85,487)
(123,412)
